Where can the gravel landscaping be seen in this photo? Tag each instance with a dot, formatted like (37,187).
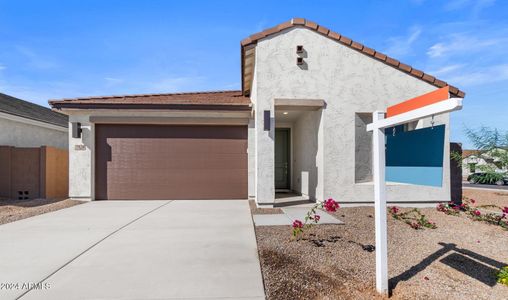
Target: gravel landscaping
(499,197)
(13,210)
(455,261)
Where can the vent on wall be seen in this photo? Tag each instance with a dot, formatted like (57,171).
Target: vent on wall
(23,195)
(300,55)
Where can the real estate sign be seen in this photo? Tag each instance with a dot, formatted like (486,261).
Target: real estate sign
(412,157)
(416,156)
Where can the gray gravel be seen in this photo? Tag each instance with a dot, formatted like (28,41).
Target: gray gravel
(13,210)
(454,261)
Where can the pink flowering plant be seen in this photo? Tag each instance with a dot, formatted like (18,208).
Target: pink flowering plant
(413,218)
(488,213)
(312,217)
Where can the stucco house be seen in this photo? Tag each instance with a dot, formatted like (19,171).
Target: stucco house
(33,151)
(25,124)
(478,161)
(298,124)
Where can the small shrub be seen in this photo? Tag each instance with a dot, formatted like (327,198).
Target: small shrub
(413,218)
(312,217)
(502,275)
(477,212)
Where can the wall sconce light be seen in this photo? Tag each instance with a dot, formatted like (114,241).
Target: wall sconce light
(266,120)
(299,61)
(299,49)
(76,130)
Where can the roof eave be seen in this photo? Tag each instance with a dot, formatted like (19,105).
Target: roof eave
(64,105)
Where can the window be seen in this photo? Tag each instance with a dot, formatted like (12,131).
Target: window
(472,167)
(363,148)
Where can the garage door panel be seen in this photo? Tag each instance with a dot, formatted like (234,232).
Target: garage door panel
(170,178)
(156,193)
(171,162)
(174,146)
(180,162)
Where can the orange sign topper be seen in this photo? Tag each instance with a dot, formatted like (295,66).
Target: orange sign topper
(418,102)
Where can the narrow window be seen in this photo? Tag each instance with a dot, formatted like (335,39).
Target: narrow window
(363,148)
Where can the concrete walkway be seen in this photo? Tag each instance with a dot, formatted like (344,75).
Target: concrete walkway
(134,250)
(293,213)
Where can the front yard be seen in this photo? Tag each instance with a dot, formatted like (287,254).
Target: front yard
(457,260)
(13,210)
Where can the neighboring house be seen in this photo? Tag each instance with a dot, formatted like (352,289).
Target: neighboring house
(476,161)
(25,124)
(33,151)
(299,124)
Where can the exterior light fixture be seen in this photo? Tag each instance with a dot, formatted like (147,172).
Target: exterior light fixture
(299,61)
(76,130)
(285,113)
(299,49)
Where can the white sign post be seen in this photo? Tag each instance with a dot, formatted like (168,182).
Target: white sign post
(378,127)
(378,136)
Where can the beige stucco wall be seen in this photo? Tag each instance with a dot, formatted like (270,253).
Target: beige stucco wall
(31,134)
(349,82)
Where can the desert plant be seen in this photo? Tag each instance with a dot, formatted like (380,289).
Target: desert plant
(449,208)
(312,217)
(490,176)
(502,275)
(488,213)
(413,218)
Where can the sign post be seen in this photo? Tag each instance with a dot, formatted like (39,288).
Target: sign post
(380,206)
(430,104)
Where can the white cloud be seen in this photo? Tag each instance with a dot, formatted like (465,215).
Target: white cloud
(2,67)
(476,5)
(176,84)
(35,60)
(480,76)
(446,69)
(437,50)
(401,45)
(112,81)
(461,43)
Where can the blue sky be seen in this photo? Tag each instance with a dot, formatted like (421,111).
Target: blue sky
(57,49)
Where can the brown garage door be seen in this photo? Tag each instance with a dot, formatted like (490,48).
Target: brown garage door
(170,162)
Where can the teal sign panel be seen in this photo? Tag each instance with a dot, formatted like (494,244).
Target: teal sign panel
(415,157)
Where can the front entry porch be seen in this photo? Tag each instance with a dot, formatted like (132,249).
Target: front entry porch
(287,162)
(297,152)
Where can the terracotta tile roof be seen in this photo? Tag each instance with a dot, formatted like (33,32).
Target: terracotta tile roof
(467,153)
(213,99)
(300,22)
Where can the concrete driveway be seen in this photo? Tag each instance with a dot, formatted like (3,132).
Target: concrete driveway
(133,250)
